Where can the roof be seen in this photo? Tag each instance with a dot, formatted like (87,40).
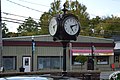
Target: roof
(86,39)
(116,37)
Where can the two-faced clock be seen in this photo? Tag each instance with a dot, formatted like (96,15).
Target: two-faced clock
(65,27)
(71,25)
(53,26)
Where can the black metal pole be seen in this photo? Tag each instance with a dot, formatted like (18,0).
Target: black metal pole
(64,43)
(92,52)
(33,45)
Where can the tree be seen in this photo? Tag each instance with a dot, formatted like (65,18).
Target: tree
(93,24)
(79,10)
(82,59)
(4,30)
(45,18)
(29,27)
(74,7)
(110,26)
(13,34)
(44,22)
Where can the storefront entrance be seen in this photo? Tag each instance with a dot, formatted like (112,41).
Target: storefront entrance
(26,63)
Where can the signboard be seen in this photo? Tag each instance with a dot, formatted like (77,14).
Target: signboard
(76,52)
(33,46)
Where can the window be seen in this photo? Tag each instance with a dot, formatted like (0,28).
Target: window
(49,62)
(26,61)
(116,58)
(74,62)
(102,60)
(9,62)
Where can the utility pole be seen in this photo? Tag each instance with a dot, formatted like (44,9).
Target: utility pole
(0,36)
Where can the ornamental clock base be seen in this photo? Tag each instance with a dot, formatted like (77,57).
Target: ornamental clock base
(65,38)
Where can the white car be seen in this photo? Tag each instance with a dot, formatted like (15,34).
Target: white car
(24,78)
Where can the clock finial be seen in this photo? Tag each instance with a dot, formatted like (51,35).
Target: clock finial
(64,9)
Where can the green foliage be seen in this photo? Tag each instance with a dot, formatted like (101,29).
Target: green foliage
(12,34)
(29,27)
(82,59)
(55,8)
(110,25)
(6,33)
(4,30)
(103,27)
(79,10)
(44,22)
(74,7)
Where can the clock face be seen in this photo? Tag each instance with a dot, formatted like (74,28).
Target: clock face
(53,26)
(71,26)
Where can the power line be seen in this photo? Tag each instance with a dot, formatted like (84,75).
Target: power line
(16,21)
(16,15)
(25,6)
(34,3)
(12,19)
(38,19)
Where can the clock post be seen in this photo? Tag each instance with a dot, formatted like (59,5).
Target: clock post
(64,27)
(64,44)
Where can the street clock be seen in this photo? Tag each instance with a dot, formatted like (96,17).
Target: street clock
(71,25)
(53,26)
(64,27)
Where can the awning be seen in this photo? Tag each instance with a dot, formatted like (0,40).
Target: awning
(95,52)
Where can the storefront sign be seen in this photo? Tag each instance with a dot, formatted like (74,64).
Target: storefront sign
(76,52)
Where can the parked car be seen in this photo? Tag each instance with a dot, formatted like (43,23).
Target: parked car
(24,78)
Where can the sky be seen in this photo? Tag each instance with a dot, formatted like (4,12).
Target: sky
(16,9)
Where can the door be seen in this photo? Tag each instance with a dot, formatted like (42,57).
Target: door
(26,63)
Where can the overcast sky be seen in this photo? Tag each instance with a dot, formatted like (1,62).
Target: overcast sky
(18,7)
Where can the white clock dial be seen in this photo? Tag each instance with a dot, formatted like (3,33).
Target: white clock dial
(53,26)
(71,25)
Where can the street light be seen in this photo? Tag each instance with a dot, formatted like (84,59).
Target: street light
(33,49)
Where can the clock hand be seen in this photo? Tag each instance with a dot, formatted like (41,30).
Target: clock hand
(54,27)
(72,26)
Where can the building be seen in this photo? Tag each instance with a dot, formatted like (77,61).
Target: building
(47,55)
(116,50)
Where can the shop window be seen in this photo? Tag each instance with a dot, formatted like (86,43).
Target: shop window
(9,62)
(26,61)
(49,62)
(74,62)
(116,58)
(102,60)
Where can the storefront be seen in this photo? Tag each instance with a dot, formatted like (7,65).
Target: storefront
(101,56)
(48,55)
